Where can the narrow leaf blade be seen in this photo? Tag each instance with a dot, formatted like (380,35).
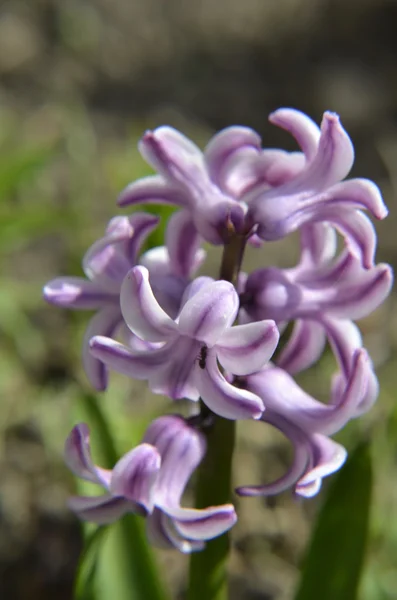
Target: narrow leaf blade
(336,554)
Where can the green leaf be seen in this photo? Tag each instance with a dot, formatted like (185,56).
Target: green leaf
(126,568)
(88,565)
(336,554)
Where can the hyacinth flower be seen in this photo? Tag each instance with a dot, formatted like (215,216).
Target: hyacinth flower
(177,367)
(149,481)
(210,341)
(236,187)
(108,261)
(315,456)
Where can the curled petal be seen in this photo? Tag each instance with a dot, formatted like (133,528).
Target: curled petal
(99,509)
(182,448)
(173,155)
(135,475)
(139,365)
(174,377)
(360,193)
(334,157)
(176,539)
(104,323)
(299,464)
(78,457)
(356,299)
(140,309)
(224,144)
(207,314)
(304,347)
(318,244)
(77,293)
(203,524)
(223,398)
(315,457)
(300,126)
(105,260)
(282,395)
(183,243)
(327,457)
(244,349)
(153,189)
(143,224)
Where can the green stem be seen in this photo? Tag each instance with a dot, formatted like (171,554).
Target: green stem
(208,577)
(208,569)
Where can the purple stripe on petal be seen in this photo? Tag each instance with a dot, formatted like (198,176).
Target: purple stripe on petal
(118,357)
(77,293)
(282,395)
(140,309)
(222,397)
(104,323)
(154,190)
(180,543)
(300,126)
(99,509)
(304,347)
(244,349)
(224,144)
(207,314)
(203,524)
(182,242)
(135,474)
(77,455)
(299,464)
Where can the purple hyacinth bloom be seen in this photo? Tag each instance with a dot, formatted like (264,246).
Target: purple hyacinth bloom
(108,261)
(317,193)
(179,367)
(315,457)
(234,185)
(150,481)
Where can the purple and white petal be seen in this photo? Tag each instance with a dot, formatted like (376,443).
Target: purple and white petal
(174,156)
(244,349)
(104,261)
(176,539)
(301,127)
(224,145)
(282,395)
(141,311)
(104,323)
(99,509)
(203,524)
(77,456)
(327,457)
(138,365)
(77,293)
(154,189)
(304,347)
(208,313)
(223,398)
(175,376)
(181,447)
(135,474)
(143,224)
(183,241)
(301,458)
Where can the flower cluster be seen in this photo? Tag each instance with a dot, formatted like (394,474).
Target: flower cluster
(212,340)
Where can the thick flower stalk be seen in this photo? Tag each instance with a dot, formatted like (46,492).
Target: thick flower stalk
(149,481)
(212,341)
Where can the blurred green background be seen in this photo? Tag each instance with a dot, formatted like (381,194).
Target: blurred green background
(79,83)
